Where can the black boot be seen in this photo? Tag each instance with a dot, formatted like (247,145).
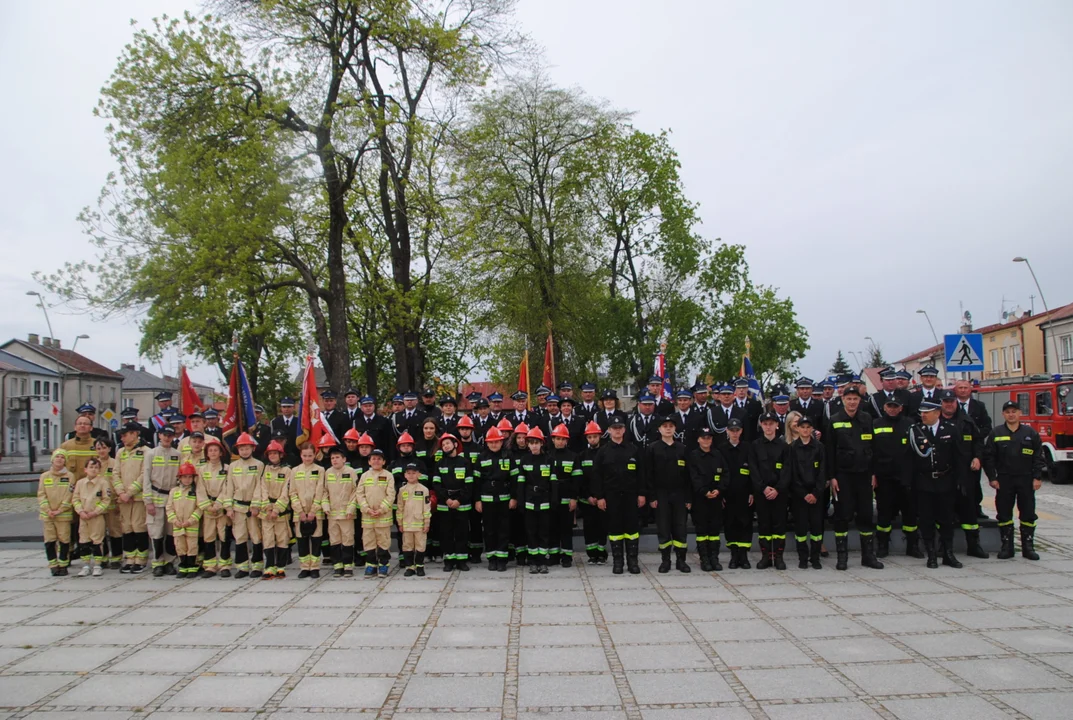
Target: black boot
(882,544)
(1006,535)
(617,557)
(1028,541)
(665,563)
(802,555)
(814,554)
(841,552)
(743,561)
(407,561)
(337,560)
(680,563)
(933,561)
(702,553)
(735,558)
(778,548)
(257,560)
(713,555)
(912,544)
(765,555)
(632,547)
(948,554)
(868,553)
(973,549)
(419,563)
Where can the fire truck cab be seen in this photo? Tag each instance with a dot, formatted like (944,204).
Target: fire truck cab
(1046,403)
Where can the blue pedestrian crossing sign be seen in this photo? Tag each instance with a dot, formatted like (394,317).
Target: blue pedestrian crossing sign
(965,352)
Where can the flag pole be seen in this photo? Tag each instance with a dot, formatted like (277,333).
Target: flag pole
(551,345)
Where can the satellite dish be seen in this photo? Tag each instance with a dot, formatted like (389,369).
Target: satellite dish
(1018,312)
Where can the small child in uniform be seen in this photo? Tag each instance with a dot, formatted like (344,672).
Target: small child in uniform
(183,511)
(414,514)
(92,501)
(54,499)
(374,496)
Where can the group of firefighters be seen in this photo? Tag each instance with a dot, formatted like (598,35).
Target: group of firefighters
(509,485)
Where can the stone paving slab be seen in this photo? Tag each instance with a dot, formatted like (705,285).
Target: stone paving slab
(992,640)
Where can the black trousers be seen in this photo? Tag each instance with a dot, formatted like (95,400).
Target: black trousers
(671,520)
(476,534)
(1019,491)
(965,503)
(707,517)
(454,533)
(770,516)
(537,526)
(936,508)
(808,519)
(561,534)
(894,497)
(738,520)
(623,521)
(595,527)
(495,524)
(517,531)
(854,503)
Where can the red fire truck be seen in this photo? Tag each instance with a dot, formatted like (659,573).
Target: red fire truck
(1047,405)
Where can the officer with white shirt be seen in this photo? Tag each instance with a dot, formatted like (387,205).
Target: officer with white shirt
(287,424)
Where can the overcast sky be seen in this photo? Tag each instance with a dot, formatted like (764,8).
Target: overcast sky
(873,158)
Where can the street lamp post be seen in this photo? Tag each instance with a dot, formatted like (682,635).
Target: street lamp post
(41,304)
(933,335)
(1057,357)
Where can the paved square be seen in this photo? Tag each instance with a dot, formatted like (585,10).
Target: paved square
(992,640)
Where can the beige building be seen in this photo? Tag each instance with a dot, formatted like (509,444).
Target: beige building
(1057,331)
(1015,348)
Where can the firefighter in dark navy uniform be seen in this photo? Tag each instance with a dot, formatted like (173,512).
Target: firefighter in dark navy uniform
(1013,461)
(935,480)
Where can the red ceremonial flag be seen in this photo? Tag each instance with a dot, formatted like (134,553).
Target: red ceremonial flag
(314,426)
(549,364)
(523,378)
(188,398)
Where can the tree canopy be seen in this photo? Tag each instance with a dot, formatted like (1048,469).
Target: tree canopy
(334,171)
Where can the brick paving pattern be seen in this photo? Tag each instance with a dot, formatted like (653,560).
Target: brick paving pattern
(992,640)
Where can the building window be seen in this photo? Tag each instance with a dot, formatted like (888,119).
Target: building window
(37,388)
(1017,357)
(994,361)
(128,402)
(89,393)
(37,430)
(55,392)
(113,396)
(1067,349)
(45,433)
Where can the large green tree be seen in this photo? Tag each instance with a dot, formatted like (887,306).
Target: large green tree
(352,100)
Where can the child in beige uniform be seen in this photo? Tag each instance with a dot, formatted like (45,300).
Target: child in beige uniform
(414,514)
(375,496)
(183,511)
(307,498)
(92,501)
(54,499)
(274,494)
